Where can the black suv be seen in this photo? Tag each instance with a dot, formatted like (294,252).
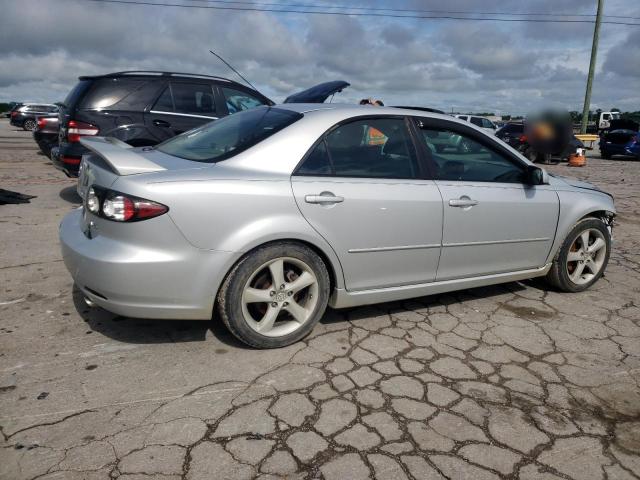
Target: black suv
(26,116)
(144,108)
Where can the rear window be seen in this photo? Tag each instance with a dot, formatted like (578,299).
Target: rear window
(224,138)
(513,128)
(106,92)
(76,92)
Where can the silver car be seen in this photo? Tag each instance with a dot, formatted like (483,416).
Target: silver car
(265,217)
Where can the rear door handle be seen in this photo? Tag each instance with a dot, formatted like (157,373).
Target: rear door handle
(161,123)
(323,198)
(462,202)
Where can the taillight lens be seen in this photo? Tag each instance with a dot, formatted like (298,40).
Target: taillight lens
(523,138)
(76,129)
(14,114)
(120,207)
(41,123)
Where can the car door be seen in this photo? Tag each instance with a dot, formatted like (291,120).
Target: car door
(362,188)
(493,220)
(180,107)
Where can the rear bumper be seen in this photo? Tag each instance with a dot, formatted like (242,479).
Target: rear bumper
(67,165)
(163,277)
(68,158)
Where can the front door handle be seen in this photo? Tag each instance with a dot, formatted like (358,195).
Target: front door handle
(462,202)
(161,123)
(323,198)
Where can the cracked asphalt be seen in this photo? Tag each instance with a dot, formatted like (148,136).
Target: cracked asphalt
(511,381)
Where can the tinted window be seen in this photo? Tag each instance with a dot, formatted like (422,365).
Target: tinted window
(224,138)
(317,162)
(462,117)
(486,123)
(76,92)
(458,157)
(476,121)
(238,100)
(378,148)
(164,102)
(106,92)
(513,128)
(193,99)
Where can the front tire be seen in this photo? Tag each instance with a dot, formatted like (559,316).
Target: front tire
(275,295)
(582,258)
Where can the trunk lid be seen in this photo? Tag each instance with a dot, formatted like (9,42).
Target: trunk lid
(112,158)
(318,93)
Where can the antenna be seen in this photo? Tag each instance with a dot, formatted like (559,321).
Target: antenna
(237,73)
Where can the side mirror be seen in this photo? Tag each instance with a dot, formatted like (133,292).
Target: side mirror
(537,176)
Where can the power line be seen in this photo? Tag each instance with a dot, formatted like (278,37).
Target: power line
(408,10)
(361,14)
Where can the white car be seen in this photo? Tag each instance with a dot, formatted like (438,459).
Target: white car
(481,122)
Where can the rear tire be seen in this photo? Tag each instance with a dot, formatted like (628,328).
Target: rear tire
(275,295)
(582,258)
(29,125)
(605,155)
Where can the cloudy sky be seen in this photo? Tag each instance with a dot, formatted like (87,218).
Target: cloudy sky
(449,64)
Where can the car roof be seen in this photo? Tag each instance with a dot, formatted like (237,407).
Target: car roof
(156,73)
(352,110)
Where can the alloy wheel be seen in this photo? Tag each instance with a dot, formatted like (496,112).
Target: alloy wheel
(586,256)
(280,297)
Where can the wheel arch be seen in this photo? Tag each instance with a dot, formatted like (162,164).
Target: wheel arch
(334,268)
(576,206)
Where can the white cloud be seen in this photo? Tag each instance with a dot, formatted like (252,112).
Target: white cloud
(46,45)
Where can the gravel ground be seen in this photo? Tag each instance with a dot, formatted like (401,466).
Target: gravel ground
(512,381)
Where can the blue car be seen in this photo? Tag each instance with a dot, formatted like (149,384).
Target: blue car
(622,138)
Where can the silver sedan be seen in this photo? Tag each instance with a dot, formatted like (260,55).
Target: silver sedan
(264,218)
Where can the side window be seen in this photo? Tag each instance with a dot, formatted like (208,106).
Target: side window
(317,162)
(238,100)
(372,148)
(462,117)
(458,157)
(476,121)
(193,99)
(486,123)
(164,102)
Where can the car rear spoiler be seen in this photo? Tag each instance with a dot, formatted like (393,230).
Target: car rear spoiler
(119,155)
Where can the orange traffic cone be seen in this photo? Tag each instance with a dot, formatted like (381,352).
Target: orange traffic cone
(577,159)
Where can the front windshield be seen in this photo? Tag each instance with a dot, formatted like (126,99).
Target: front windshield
(615,116)
(224,138)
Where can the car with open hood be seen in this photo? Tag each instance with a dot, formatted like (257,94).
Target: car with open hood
(264,218)
(621,138)
(144,108)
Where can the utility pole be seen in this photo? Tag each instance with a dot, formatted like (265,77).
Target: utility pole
(592,68)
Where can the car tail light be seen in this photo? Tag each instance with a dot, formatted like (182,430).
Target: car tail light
(14,114)
(71,160)
(77,129)
(120,207)
(523,138)
(42,123)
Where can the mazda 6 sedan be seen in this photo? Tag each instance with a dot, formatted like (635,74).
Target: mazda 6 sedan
(266,217)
